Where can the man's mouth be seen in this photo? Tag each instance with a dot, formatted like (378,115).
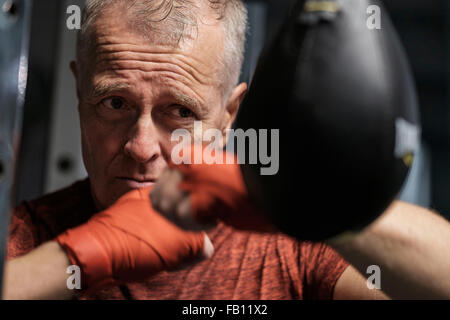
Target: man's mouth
(137,183)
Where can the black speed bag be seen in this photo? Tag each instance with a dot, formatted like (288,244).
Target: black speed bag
(336,83)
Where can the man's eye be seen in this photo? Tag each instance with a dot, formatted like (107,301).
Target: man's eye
(115,103)
(185,112)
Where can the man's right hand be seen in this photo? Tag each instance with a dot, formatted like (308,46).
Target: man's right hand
(130,241)
(197,196)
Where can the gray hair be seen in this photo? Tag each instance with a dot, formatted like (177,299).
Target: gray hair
(170,21)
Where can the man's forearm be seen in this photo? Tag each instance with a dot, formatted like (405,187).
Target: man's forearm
(411,245)
(40,274)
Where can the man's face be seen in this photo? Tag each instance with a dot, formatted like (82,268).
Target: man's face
(135,93)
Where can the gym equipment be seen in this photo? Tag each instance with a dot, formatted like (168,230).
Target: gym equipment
(15,19)
(342,95)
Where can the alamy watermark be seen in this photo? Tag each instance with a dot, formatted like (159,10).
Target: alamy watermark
(374,281)
(250,144)
(73,21)
(374,20)
(74,280)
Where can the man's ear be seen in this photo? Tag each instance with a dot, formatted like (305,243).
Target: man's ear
(233,104)
(74,69)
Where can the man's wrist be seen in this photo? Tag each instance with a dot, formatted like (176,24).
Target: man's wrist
(88,254)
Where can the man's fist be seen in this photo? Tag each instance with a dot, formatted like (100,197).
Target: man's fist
(130,241)
(196,196)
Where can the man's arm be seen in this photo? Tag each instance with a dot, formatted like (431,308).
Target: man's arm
(351,285)
(129,241)
(411,245)
(40,274)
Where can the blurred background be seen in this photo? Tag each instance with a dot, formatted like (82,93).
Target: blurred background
(50,152)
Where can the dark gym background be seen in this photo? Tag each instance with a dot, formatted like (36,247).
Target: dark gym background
(50,155)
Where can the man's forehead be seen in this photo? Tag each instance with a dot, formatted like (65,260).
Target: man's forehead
(118,57)
(111,35)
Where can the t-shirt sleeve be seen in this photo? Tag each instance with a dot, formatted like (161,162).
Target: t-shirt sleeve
(320,267)
(22,234)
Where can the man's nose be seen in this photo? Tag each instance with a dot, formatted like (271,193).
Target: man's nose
(143,143)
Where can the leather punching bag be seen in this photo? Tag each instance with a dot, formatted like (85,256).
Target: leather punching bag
(342,95)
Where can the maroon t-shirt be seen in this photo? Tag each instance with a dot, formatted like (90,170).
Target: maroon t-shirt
(248,266)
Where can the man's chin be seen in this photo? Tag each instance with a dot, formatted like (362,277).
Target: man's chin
(118,189)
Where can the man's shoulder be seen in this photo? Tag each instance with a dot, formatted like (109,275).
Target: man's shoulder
(61,209)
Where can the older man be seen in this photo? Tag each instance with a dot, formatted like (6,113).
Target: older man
(145,68)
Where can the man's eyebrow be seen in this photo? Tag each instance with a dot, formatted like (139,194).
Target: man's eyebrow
(187,100)
(103,89)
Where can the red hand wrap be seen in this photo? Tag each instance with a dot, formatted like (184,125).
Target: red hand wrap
(128,242)
(218,192)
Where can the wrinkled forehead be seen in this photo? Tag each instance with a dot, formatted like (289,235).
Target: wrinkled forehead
(199,40)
